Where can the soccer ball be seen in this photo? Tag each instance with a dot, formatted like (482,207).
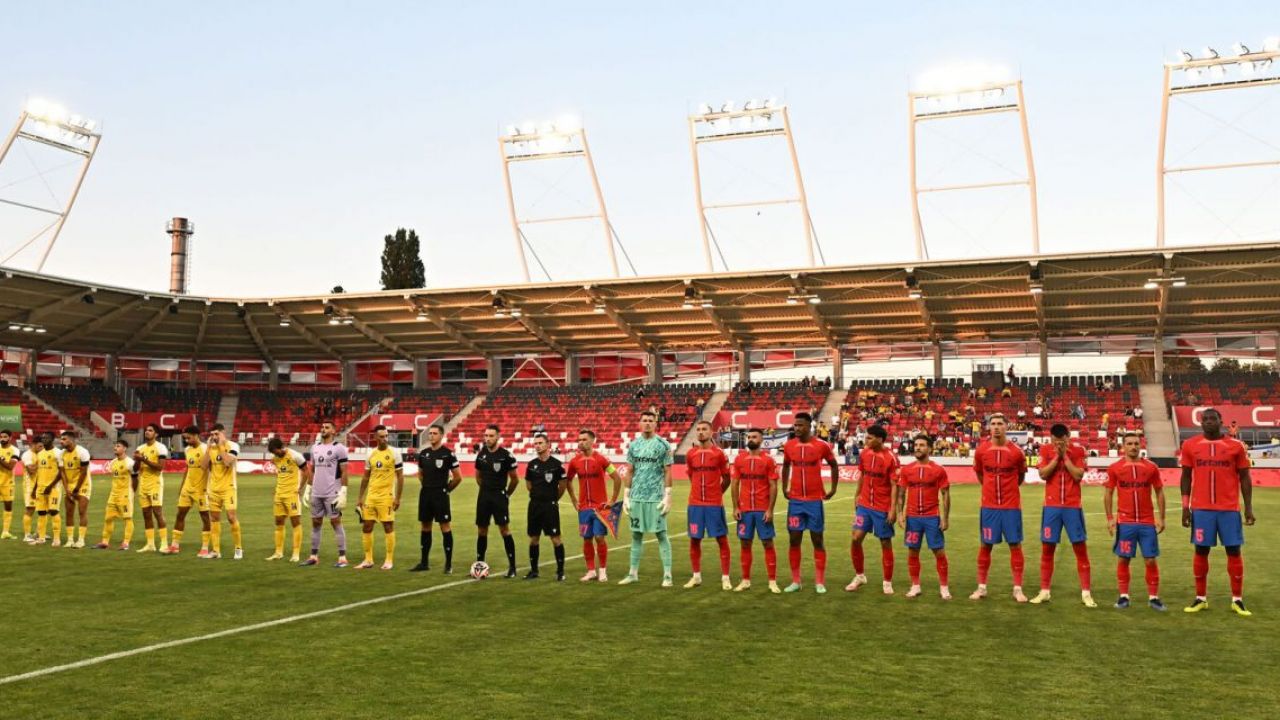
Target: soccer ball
(480,570)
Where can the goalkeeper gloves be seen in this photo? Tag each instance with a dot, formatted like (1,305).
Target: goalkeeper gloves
(626,500)
(306,496)
(665,506)
(342,498)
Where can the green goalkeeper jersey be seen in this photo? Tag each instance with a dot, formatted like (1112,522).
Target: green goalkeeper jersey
(649,459)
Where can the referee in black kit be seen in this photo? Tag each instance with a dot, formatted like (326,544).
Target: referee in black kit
(544,478)
(496,475)
(439,473)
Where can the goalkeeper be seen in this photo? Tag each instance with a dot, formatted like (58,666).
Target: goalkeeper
(326,491)
(647,497)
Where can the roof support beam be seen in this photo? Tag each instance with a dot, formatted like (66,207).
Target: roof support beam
(613,314)
(311,337)
(730,336)
(93,325)
(1162,311)
(204,324)
(432,315)
(247,317)
(378,337)
(926,317)
(533,327)
(797,282)
(40,313)
(142,332)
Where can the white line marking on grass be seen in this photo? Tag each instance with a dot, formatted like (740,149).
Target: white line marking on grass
(264,625)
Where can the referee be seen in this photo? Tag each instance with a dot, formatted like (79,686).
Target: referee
(439,473)
(544,478)
(496,475)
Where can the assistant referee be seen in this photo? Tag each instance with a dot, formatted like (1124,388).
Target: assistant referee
(496,475)
(544,477)
(439,473)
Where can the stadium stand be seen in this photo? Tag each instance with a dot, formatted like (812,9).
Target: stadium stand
(1221,388)
(202,401)
(795,396)
(78,401)
(445,401)
(35,419)
(294,415)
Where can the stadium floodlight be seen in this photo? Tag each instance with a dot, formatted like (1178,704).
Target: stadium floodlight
(49,124)
(967,90)
(1208,73)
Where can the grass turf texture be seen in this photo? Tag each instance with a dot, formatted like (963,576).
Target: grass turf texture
(573,650)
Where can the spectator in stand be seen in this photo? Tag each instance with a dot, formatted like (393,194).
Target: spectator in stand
(1007,392)
(1037,411)
(1192,399)
(697,407)
(640,393)
(1108,384)
(982,393)
(1234,429)
(1011,375)
(1104,421)
(1022,415)
(1137,412)
(824,432)
(1077,411)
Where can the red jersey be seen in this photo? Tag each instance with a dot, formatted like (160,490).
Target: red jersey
(706,468)
(1062,490)
(806,460)
(755,475)
(1134,483)
(590,471)
(922,481)
(1215,471)
(1002,469)
(879,473)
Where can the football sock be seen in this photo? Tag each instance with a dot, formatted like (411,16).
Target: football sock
(128,530)
(42,525)
(315,539)
(26,524)
(448,547)
(943,568)
(424,539)
(664,552)
(913,568)
(341,533)
(1200,567)
(162,536)
(366,543)
(695,554)
(1083,568)
(8,519)
(534,552)
(637,551)
(771,562)
(820,566)
(1122,576)
(589,553)
(886,558)
(279,537)
(482,547)
(235,534)
(793,557)
(204,539)
(391,546)
(150,535)
(602,552)
(177,537)
(108,527)
(1235,572)
(57,526)
(215,537)
(858,557)
(724,555)
(744,556)
(297,539)
(1016,564)
(1047,551)
(984,564)
(1153,579)
(509,543)
(559,552)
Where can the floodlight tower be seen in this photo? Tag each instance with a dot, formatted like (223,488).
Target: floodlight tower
(756,119)
(49,124)
(1210,72)
(565,138)
(958,92)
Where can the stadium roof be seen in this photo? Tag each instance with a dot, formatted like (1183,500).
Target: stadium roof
(1227,289)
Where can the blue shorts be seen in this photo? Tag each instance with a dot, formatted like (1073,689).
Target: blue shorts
(1001,526)
(707,521)
(589,525)
(806,515)
(873,522)
(753,522)
(1131,536)
(1054,519)
(1209,526)
(928,528)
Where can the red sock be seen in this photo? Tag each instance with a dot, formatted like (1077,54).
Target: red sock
(589,554)
(1122,575)
(724,555)
(820,566)
(886,558)
(1235,571)
(1017,563)
(602,552)
(745,558)
(1083,568)
(984,564)
(859,559)
(1153,579)
(793,554)
(913,568)
(695,554)
(943,568)
(771,563)
(1200,567)
(1047,551)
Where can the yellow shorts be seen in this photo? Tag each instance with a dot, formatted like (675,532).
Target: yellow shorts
(6,490)
(150,496)
(287,506)
(86,490)
(49,503)
(379,511)
(222,501)
(119,507)
(28,501)
(194,497)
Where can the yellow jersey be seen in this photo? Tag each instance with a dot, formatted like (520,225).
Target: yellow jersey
(75,463)
(382,465)
(288,472)
(149,480)
(222,479)
(7,454)
(46,468)
(197,477)
(121,480)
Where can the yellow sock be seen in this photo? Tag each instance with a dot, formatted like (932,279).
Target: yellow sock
(42,526)
(204,539)
(57,527)
(391,547)
(297,539)
(151,537)
(235,534)
(26,525)
(162,534)
(128,530)
(84,533)
(108,527)
(279,539)
(366,541)
(8,518)
(177,537)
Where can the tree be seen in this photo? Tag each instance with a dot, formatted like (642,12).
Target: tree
(402,261)
(1226,365)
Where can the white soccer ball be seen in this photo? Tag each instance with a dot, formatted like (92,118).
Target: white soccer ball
(480,570)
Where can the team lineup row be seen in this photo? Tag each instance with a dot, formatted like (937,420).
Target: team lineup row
(914,498)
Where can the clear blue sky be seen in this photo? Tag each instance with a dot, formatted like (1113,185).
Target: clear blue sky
(295,134)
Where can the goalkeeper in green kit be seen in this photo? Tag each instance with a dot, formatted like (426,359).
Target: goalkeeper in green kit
(647,496)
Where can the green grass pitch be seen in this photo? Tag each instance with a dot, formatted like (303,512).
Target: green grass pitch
(502,647)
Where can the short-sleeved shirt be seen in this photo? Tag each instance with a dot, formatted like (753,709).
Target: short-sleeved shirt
(879,473)
(1215,471)
(544,478)
(591,471)
(1134,483)
(493,467)
(383,465)
(435,466)
(756,475)
(806,460)
(922,483)
(73,464)
(156,453)
(222,478)
(707,468)
(7,453)
(288,471)
(649,459)
(1003,468)
(1062,490)
(197,478)
(121,479)
(46,468)
(327,462)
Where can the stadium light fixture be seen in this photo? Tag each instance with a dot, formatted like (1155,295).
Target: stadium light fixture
(1150,285)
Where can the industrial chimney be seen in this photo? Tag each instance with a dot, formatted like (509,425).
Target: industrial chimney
(180,231)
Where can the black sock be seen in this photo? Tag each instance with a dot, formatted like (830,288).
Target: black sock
(426,546)
(510,544)
(448,547)
(534,550)
(482,546)
(559,559)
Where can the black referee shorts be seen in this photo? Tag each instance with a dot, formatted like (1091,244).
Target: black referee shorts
(544,518)
(493,508)
(433,506)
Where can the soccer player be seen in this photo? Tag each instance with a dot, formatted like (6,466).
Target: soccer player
(46,496)
(438,469)
(193,491)
(148,460)
(30,466)
(74,460)
(8,461)
(591,468)
(754,490)
(1062,464)
(220,462)
(925,488)
(1215,476)
(877,506)
(120,500)
(544,478)
(287,501)
(380,492)
(326,493)
(803,487)
(496,476)
(1001,468)
(708,469)
(1134,480)
(646,496)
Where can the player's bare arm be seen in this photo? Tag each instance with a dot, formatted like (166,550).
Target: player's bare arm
(773,500)
(1047,469)
(945,494)
(786,477)
(1246,492)
(399,488)
(734,484)
(896,507)
(617,485)
(835,476)
(513,481)
(455,479)
(561,488)
(364,483)
(1160,506)
(1107,497)
(1185,485)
